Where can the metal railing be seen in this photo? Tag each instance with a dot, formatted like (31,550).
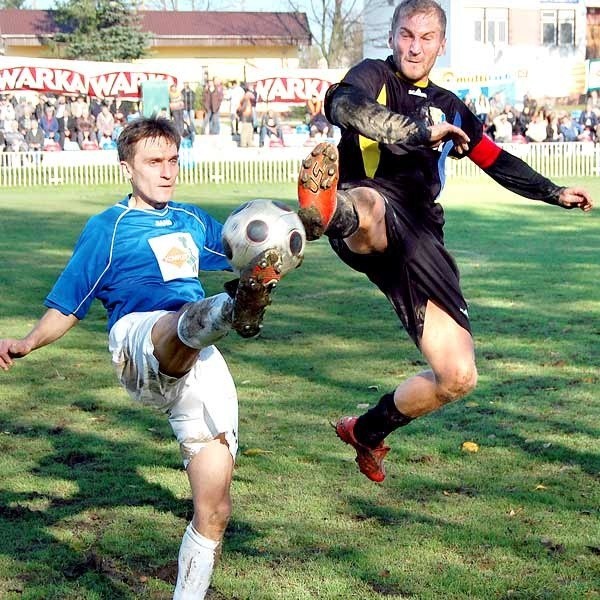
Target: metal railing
(272,165)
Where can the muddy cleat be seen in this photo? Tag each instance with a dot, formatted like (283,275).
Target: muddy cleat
(317,187)
(253,294)
(369,460)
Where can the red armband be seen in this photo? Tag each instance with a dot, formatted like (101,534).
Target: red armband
(485,152)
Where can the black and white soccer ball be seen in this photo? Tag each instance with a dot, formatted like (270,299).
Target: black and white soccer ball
(261,225)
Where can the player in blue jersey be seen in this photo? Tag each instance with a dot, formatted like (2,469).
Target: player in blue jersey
(383,219)
(141,259)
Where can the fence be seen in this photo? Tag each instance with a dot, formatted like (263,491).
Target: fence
(265,165)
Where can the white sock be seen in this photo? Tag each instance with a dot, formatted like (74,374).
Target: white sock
(196,562)
(205,321)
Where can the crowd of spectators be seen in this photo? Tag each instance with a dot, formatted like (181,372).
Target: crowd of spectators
(60,122)
(529,121)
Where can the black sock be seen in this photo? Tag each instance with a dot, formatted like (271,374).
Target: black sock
(345,218)
(378,422)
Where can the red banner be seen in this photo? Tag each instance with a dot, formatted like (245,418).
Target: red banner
(289,90)
(101,80)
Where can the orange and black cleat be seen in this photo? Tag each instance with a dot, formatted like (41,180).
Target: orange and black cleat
(369,460)
(317,187)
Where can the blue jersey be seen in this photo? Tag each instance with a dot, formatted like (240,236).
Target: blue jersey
(136,260)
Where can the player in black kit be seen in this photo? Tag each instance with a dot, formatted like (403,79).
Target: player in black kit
(377,204)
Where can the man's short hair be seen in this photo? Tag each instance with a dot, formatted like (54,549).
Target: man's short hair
(408,8)
(142,129)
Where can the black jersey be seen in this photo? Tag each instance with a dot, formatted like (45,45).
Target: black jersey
(415,168)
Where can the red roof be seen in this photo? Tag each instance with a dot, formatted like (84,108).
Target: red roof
(250,27)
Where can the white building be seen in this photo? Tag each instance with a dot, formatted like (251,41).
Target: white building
(534,47)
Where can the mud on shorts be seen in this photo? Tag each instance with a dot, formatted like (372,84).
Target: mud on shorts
(416,267)
(200,405)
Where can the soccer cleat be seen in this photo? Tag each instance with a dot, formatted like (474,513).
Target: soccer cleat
(253,294)
(317,187)
(369,460)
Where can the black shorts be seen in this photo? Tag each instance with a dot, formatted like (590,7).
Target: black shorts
(416,267)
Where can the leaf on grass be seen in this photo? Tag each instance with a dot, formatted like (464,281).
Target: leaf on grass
(256,452)
(470,447)
(540,486)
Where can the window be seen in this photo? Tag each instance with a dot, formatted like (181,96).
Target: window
(558,27)
(490,25)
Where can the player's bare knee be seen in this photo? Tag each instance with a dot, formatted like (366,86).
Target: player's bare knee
(214,518)
(457,384)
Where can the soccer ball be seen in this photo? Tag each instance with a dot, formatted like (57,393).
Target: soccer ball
(261,225)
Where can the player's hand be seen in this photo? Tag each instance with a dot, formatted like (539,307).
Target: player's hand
(573,197)
(11,349)
(445,131)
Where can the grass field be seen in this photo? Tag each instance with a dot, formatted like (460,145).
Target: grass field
(93,501)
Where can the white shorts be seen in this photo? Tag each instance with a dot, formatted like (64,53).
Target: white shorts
(200,405)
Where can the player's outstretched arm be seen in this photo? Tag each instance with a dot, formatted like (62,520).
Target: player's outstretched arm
(517,176)
(52,326)
(349,107)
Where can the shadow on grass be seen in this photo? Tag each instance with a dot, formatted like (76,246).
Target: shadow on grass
(529,295)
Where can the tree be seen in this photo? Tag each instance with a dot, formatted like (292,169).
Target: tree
(106,30)
(12,4)
(336,28)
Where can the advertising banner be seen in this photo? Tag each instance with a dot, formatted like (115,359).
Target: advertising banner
(69,77)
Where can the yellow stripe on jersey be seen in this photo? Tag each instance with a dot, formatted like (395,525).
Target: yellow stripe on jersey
(370,148)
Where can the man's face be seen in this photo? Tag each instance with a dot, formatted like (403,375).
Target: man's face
(153,172)
(416,44)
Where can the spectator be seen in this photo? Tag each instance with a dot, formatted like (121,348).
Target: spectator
(88,141)
(482,108)
(119,124)
(14,139)
(106,143)
(189,103)
(49,124)
(536,129)
(588,120)
(34,137)
(552,127)
(134,112)
(314,107)
(245,112)
(105,123)
(320,127)
(318,124)
(86,126)
(60,109)
(270,126)
(78,107)
(235,94)
(188,134)
(95,107)
(502,129)
(570,131)
(176,106)
(213,97)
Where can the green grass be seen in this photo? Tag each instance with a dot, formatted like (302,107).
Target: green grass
(93,501)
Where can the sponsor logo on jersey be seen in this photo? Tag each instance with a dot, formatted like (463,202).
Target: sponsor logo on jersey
(177,255)
(163,223)
(417,92)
